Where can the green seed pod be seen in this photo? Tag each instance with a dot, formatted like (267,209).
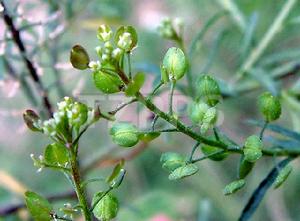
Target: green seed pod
(245,167)
(197,111)
(183,171)
(175,63)
(209,119)
(269,106)
(124,134)
(253,149)
(282,176)
(208,90)
(208,150)
(107,83)
(104,33)
(107,206)
(126,38)
(31,119)
(171,161)
(79,57)
(234,186)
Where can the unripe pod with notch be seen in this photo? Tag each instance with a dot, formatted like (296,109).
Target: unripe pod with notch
(124,134)
(208,90)
(174,64)
(269,106)
(253,148)
(171,161)
(79,57)
(197,111)
(126,38)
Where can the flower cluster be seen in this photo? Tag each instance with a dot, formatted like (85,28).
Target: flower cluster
(70,116)
(171,29)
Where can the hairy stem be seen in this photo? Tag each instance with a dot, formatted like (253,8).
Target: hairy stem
(78,188)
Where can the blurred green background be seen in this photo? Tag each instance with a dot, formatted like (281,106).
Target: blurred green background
(146,193)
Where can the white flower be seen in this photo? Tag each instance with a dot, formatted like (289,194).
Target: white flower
(125,41)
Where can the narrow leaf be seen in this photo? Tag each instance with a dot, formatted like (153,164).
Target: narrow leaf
(261,190)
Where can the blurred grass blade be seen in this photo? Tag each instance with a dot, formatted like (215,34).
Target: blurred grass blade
(286,69)
(199,36)
(249,35)
(276,57)
(261,190)
(235,12)
(213,52)
(278,129)
(265,80)
(284,143)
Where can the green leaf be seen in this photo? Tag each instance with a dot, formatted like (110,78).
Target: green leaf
(107,83)
(107,206)
(208,150)
(171,161)
(261,190)
(234,186)
(39,208)
(147,137)
(134,86)
(245,168)
(183,171)
(117,175)
(56,154)
(282,176)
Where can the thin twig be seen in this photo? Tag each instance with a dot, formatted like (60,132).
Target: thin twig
(29,64)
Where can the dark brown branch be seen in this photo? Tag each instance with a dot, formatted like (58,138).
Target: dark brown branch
(29,64)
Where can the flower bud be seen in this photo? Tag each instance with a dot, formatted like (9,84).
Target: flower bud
(124,134)
(171,161)
(234,186)
(208,90)
(104,33)
(253,149)
(77,114)
(197,111)
(79,57)
(174,63)
(166,29)
(95,65)
(32,120)
(107,83)
(126,38)
(269,106)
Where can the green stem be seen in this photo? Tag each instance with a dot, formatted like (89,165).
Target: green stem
(193,151)
(216,134)
(181,127)
(207,156)
(78,189)
(261,134)
(173,84)
(129,66)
